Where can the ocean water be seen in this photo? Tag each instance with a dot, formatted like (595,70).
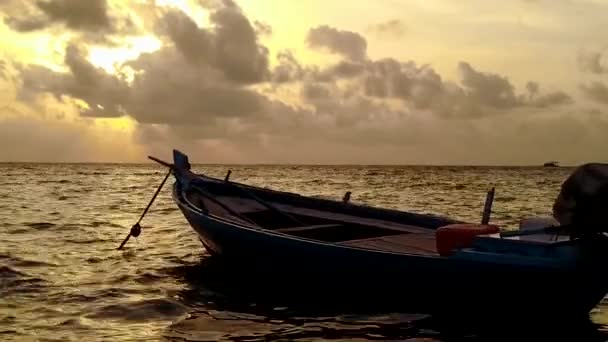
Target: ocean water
(62,279)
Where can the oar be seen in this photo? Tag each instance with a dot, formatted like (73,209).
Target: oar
(136,228)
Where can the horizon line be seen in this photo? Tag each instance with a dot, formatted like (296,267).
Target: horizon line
(281,164)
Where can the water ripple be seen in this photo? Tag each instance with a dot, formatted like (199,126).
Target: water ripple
(40,225)
(61,277)
(160,308)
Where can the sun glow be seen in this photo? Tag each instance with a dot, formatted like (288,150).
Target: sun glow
(108,58)
(124,124)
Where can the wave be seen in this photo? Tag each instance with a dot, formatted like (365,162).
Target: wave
(40,225)
(61,181)
(160,308)
(94,173)
(20,262)
(167,210)
(83,241)
(7,272)
(32,263)
(104,224)
(15,282)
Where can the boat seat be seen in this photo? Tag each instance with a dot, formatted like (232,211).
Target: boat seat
(305,228)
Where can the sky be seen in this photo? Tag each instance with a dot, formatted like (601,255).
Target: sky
(441,82)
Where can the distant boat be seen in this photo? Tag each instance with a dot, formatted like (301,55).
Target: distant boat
(551,164)
(373,254)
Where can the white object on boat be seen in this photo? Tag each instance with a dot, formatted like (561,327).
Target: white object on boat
(538,222)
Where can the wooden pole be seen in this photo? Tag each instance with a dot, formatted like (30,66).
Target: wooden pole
(487,209)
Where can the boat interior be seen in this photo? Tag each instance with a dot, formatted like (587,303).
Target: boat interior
(341,227)
(321,220)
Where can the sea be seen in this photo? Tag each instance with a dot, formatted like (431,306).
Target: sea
(63,279)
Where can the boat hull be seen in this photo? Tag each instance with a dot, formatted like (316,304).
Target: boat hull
(314,272)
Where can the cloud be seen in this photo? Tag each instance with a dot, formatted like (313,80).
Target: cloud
(56,139)
(94,18)
(487,88)
(77,14)
(199,75)
(346,43)
(104,94)
(239,54)
(596,91)
(231,46)
(168,90)
(403,140)
(212,88)
(288,68)
(262,29)
(178,86)
(165,89)
(532,88)
(552,99)
(546,100)
(593,62)
(3,71)
(477,94)
(394,28)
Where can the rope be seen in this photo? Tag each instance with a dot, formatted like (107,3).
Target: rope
(136,228)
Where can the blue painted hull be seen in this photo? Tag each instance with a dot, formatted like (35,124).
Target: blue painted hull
(306,267)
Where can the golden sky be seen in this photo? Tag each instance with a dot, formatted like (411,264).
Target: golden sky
(330,82)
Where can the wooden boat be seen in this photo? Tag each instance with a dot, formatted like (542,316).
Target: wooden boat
(551,164)
(372,254)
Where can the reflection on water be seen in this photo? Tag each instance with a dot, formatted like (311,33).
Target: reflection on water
(61,278)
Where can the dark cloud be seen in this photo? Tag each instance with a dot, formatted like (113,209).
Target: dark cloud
(391,137)
(313,91)
(346,43)
(231,46)
(193,42)
(419,87)
(532,88)
(394,28)
(217,4)
(26,24)
(78,14)
(169,91)
(343,69)
(200,76)
(593,62)
(487,88)
(103,93)
(596,91)
(288,68)
(422,88)
(166,89)
(552,99)
(238,52)
(93,18)
(545,100)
